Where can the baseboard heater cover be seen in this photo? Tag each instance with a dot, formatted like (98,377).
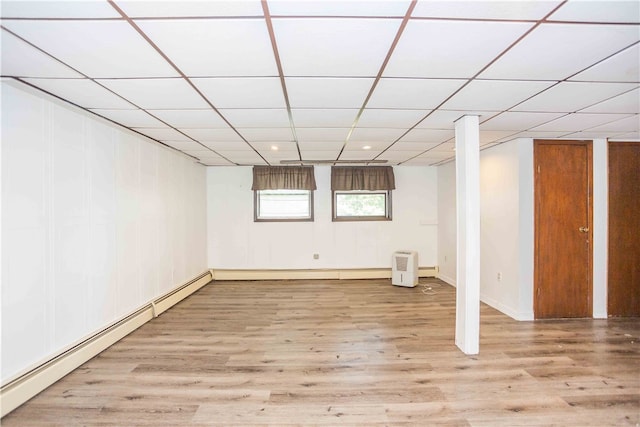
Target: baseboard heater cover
(339,274)
(19,390)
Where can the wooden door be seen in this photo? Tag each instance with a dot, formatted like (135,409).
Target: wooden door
(623,294)
(563,253)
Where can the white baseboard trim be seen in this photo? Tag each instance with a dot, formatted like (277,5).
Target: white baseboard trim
(338,274)
(447,279)
(516,315)
(600,315)
(17,391)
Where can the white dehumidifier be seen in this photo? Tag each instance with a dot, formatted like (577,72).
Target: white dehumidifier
(405,269)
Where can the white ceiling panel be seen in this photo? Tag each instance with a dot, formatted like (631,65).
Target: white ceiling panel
(573,96)
(228,146)
(267,134)
(450,49)
(413,146)
(628,136)
(252,117)
(592,135)
(245,157)
(539,134)
(485,9)
(242,92)
(19,59)
(494,95)
(398,156)
(445,119)
(58,9)
(221,47)
(322,146)
(356,154)
(487,136)
(332,118)
(322,134)
(99,49)
(387,135)
(184,145)
(511,120)
(599,11)
(319,154)
(581,121)
(384,8)
(275,156)
(327,92)
(130,118)
(163,134)
(628,102)
(334,47)
(427,135)
(189,8)
(374,145)
(204,118)
(622,67)
(563,50)
(82,92)
(385,118)
(412,93)
(201,152)
(157,94)
(220,134)
(280,146)
(629,124)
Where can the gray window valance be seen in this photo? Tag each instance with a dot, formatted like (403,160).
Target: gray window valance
(371,178)
(283,178)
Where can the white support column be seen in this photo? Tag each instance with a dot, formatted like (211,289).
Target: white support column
(468,226)
(600,227)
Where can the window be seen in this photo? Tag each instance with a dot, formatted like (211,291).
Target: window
(362,193)
(361,205)
(283,205)
(283,193)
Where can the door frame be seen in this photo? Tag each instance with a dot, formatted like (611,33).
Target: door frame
(536,217)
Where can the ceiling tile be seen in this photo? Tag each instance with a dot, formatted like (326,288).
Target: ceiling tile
(82,92)
(322,146)
(445,119)
(258,118)
(57,9)
(130,118)
(412,93)
(494,95)
(204,118)
(622,67)
(450,49)
(267,134)
(327,92)
(384,118)
(413,146)
(220,47)
(629,124)
(274,157)
(219,146)
(334,47)
(579,121)
(157,94)
(281,146)
(511,120)
(567,49)
(628,102)
(322,134)
(184,145)
(247,157)
(540,134)
(473,9)
(598,11)
(592,135)
(373,145)
(569,97)
(19,59)
(99,49)
(310,154)
(242,92)
(428,135)
(487,136)
(370,135)
(189,8)
(221,134)
(384,8)
(163,134)
(398,156)
(359,154)
(332,118)
(628,136)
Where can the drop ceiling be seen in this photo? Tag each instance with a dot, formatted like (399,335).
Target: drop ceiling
(247,82)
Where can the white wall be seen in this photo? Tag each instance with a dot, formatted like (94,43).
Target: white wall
(235,241)
(96,222)
(447,237)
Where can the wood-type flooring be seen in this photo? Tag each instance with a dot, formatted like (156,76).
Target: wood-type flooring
(349,352)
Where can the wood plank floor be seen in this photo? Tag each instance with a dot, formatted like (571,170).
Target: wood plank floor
(351,352)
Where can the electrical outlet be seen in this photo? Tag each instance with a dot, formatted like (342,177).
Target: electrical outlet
(316,256)
(499,276)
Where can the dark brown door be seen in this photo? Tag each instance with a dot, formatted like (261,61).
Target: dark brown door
(562,229)
(623,294)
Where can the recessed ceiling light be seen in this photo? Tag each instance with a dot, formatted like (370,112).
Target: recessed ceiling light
(274,148)
(366,147)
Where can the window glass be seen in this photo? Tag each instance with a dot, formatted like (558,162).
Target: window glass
(283,205)
(361,205)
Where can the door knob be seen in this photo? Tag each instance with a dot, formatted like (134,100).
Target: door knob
(584,229)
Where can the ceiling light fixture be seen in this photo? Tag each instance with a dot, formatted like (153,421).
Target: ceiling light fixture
(366,147)
(274,148)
